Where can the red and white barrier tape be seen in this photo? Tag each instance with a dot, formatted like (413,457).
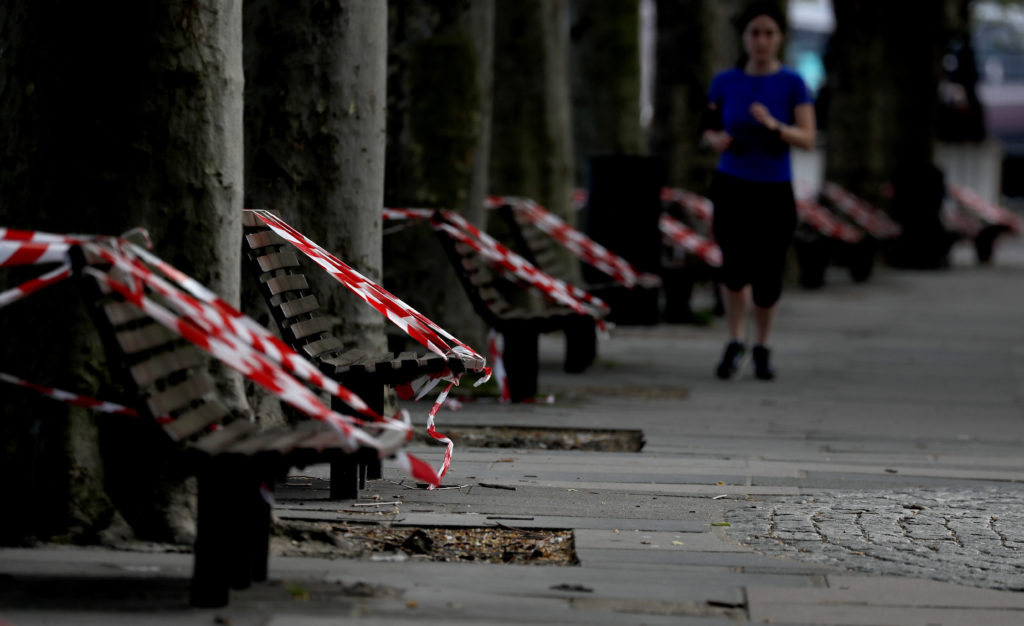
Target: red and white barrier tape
(212,325)
(985,211)
(238,355)
(676,233)
(699,207)
(31,286)
(871,219)
(507,262)
(411,321)
(496,342)
(576,242)
(70,398)
(821,220)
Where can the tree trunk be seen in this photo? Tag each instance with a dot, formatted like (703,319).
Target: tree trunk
(532,145)
(315,136)
(881,98)
(436,152)
(605,80)
(112,117)
(683,71)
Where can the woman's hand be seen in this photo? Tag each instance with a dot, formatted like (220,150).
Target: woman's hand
(717,140)
(764,117)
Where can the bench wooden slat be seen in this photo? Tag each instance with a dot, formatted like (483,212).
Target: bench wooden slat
(265,238)
(257,443)
(286,282)
(147,372)
(289,441)
(301,306)
(321,440)
(178,396)
(120,313)
(219,440)
(278,260)
(194,420)
(306,328)
(346,358)
(149,336)
(320,346)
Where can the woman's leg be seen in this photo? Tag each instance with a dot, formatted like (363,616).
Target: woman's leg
(736,303)
(763,318)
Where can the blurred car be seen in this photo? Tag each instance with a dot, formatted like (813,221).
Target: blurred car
(997,36)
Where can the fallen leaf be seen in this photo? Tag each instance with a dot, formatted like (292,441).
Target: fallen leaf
(412,604)
(720,524)
(677,543)
(571,587)
(505,461)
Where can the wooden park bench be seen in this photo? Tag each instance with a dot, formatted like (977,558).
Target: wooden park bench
(487,272)
(296,311)
(822,236)
(971,217)
(236,462)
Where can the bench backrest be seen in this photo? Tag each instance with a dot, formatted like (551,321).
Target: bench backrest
(169,375)
(488,293)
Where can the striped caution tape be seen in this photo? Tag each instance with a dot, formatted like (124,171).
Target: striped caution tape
(823,221)
(985,211)
(207,322)
(871,219)
(590,251)
(411,321)
(238,355)
(675,233)
(697,206)
(71,398)
(507,262)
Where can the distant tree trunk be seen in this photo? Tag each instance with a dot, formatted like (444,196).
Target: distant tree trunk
(880,111)
(882,87)
(315,135)
(683,71)
(110,117)
(532,139)
(605,65)
(436,152)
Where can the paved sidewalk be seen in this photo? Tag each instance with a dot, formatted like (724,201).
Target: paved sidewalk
(877,481)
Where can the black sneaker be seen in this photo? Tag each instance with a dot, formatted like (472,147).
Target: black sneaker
(762,366)
(731,359)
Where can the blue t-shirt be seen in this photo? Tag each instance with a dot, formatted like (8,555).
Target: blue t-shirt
(756,153)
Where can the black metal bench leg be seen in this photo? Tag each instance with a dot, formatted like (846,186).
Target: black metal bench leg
(521,364)
(366,467)
(580,345)
(344,477)
(210,576)
(259,536)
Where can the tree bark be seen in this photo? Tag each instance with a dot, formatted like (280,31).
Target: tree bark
(532,145)
(436,151)
(683,71)
(113,116)
(605,64)
(881,92)
(881,111)
(315,137)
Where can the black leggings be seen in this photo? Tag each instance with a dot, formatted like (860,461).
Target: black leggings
(753,225)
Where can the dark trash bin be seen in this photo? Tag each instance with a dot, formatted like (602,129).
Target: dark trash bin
(622,211)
